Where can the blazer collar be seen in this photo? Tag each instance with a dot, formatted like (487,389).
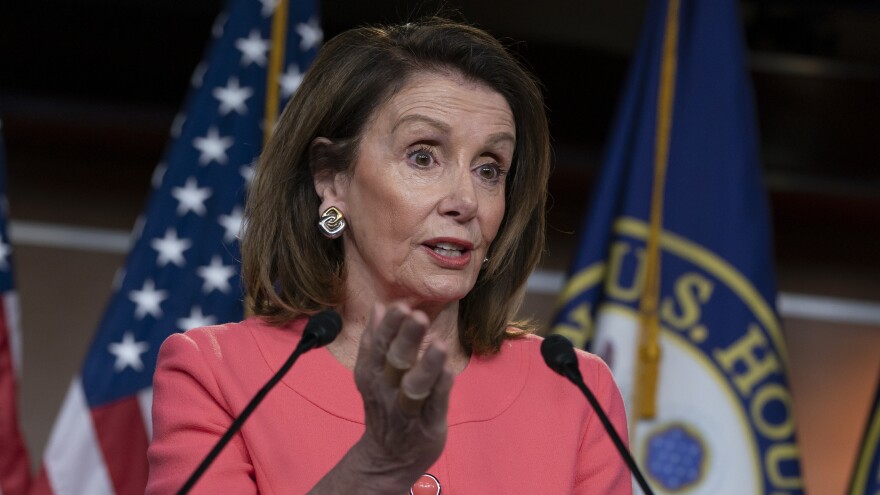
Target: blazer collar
(484,390)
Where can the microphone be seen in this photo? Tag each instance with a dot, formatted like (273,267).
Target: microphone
(559,355)
(321,329)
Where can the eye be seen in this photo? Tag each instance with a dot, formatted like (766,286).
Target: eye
(491,172)
(421,158)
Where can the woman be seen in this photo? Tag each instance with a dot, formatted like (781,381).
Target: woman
(404,187)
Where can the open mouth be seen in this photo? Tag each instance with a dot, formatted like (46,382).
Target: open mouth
(448,249)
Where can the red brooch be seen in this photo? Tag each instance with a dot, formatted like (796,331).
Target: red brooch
(426,485)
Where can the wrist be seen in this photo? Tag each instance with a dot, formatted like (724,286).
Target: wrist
(364,470)
(379,471)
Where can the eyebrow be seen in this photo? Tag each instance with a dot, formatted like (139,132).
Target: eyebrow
(441,126)
(494,138)
(501,136)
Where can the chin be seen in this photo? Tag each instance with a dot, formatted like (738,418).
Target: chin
(446,289)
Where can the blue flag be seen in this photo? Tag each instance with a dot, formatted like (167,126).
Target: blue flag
(673,281)
(183,269)
(866,475)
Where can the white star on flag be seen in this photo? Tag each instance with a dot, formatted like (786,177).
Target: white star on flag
(213,147)
(5,251)
(118,278)
(290,80)
(268,7)
(191,197)
(232,224)
(216,275)
(310,34)
(232,97)
(177,124)
(219,24)
(158,175)
(138,230)
(198,75)
(253,49)
(128,353)
(170,248)
(247,173)
(148,300)
(195,320)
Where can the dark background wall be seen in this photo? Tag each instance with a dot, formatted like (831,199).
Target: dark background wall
(89,88)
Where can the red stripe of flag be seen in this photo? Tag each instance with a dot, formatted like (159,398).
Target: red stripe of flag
(15,475)
(123,440)
(41,484)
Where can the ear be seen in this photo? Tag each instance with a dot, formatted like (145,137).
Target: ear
(330,186)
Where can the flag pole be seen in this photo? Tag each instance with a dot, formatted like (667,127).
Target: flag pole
(276,59)
(649,346)
(273,73)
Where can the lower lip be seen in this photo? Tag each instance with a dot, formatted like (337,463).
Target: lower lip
(450,262)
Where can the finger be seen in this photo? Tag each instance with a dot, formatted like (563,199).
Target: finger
(366,341)
(409,405)
(419,382)
(436,405)
(404,349)
(379,334)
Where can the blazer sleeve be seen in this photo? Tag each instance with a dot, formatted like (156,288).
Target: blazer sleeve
(189,416)
(601,468)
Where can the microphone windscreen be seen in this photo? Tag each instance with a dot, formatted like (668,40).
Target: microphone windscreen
(558,353)
(323,327)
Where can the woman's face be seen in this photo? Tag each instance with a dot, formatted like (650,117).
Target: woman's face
(425,198)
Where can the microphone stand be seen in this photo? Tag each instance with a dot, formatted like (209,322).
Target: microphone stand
(320,330)
(239,421)
(560,357)
(575,377)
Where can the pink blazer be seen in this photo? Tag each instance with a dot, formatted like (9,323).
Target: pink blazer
(514,425)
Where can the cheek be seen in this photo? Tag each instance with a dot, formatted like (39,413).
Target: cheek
(406,214)
(389,208)
(493,217)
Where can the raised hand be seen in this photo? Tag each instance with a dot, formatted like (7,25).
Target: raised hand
(405,397)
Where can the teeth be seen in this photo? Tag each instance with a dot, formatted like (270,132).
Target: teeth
(448,246)
(452,253)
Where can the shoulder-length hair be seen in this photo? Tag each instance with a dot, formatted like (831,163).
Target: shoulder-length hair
(289,269)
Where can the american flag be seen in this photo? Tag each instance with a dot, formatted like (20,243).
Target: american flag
(182,271)
(14,466)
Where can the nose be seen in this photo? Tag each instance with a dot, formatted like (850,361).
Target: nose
(460,200)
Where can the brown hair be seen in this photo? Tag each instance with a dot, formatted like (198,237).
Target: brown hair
(289,269)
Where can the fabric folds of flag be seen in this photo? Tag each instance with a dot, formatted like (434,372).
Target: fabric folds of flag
(673,281)
(15,475)
(866,475)
(182,271)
